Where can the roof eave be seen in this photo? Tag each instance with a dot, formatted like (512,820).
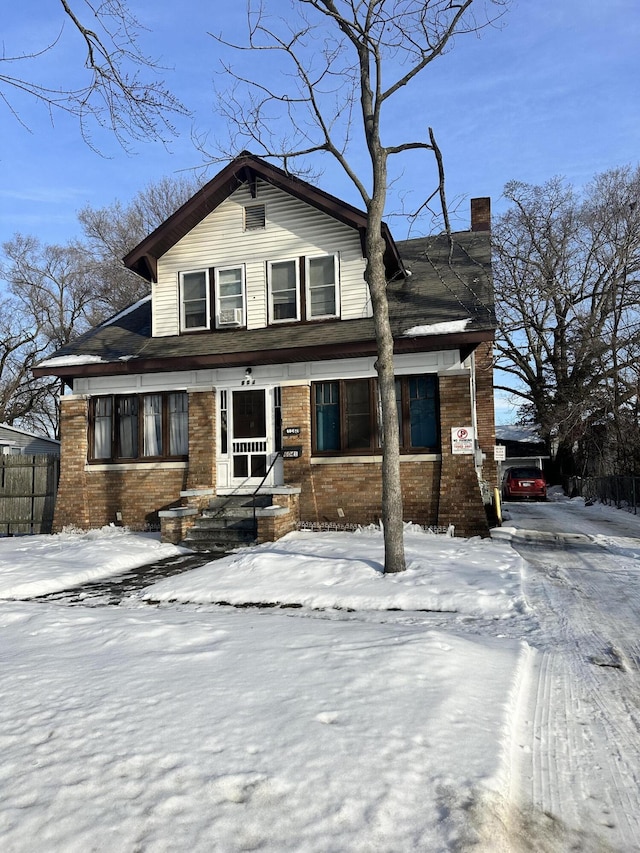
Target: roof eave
(464,341)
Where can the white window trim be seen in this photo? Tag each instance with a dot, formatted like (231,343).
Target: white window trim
(243,277)
(207,293)
(307,278)
(296,266)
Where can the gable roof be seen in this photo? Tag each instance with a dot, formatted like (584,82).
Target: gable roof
(246,168)
(446,302)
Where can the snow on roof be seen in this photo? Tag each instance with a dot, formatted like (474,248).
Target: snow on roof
(519,432)
(60,360)
(447,328)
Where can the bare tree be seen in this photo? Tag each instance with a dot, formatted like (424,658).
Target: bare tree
(112,231)
(109,89)
(55,293)
(342,63)
(567,282)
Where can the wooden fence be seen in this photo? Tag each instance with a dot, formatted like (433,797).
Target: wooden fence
(28,487)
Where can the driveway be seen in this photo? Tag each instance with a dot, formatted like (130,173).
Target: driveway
(575,752)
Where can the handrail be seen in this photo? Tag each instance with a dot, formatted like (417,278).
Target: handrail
(253,497)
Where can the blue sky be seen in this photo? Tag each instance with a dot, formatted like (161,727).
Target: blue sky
(554,91)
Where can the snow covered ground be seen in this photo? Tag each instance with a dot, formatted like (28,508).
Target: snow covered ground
(366,713)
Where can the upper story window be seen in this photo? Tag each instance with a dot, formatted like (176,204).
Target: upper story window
(284,291)
(254,217)
(346,415)
(230,297)
(194,300)
(322,287)
(139,426)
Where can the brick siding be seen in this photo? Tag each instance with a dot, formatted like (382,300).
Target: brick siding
(434,492)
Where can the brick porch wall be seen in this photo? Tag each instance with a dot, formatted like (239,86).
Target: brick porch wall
(355,488)
(202,440)
(71,501)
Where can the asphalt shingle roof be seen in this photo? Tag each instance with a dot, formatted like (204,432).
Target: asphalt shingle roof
(449,280)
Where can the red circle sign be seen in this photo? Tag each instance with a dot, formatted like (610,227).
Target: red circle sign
(462,434)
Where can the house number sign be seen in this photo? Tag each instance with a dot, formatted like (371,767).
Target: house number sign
(292,452)
(291,430)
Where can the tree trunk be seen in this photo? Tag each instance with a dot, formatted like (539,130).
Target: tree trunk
(392,515)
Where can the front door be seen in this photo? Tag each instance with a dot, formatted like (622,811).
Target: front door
(249,435)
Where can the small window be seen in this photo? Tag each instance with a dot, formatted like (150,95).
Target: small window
(178,416)
(254,217)
(127,415)
(194,300)
(327,423)
(102,426)
(283,291)
(152,425)
(322,287)
(230,297)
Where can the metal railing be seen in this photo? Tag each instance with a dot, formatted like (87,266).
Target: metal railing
(257,489)
(622,491)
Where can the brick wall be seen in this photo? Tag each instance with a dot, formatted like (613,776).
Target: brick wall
(202,440)
(434,493)
(72,501)
(485,410)
(460,497)
(356,489)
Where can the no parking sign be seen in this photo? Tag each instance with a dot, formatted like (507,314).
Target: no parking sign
(462,439)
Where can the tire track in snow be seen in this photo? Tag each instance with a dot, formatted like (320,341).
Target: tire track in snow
(576,749)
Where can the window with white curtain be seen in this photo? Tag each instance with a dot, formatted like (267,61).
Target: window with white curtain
(178,424)
(152,425)
(139,426)
(103,407)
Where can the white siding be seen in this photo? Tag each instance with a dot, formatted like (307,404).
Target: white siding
(293,229)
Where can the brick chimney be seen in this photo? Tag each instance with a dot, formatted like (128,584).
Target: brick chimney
(481,214)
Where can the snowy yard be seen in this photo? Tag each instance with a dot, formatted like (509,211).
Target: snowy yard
(354,718)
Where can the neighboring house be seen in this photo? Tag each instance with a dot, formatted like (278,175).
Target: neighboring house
(18,441)
(252,364)
(523,446)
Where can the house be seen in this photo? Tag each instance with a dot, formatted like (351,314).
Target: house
(523,446)
(14,441)
(251,365)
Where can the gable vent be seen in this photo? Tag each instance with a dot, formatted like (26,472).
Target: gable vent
(254,217)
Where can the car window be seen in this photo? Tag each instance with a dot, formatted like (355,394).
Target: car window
(531,473)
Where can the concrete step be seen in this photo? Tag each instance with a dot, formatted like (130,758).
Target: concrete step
(224,539)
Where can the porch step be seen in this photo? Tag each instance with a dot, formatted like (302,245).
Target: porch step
(227,523)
